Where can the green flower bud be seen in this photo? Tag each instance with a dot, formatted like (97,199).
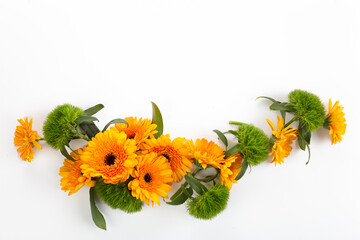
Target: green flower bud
(209,204)
(59,126)
(118,196)
(308,108)
(254,143)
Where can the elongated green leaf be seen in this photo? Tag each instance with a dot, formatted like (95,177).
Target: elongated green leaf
(91,111)
(180,199)
(235,149)
(65,153)
(94,129)
(222,137)
(235,133)
(157,119)
(306,133)
(269,98)
(181,195)
(177,193)
(301,142)
(97,217)
(90,129)
(195,184)
(85,119)
(236,123)
(117,120)
(188,191)
(283,114)
(279,106)
(244,166)
(304,136)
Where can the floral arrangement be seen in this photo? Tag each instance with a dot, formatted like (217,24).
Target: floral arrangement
(133,162)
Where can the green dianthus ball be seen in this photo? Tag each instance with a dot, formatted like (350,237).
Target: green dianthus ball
(254,143)
(209,204)
(118,196)
(308,108)
(59,126)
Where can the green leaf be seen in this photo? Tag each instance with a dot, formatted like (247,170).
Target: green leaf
(177,193)
(307,135)
(85,119)
(91,111)
(235,133)
(97,217)
(233,150)
(302,143)
(66,154)
(304,136)
(195,184)
(269,98)
(188,191)
(279,106)
(222,137)
(236,123)
(90,129)
(184,195)
(117,120)
(180,199)
(283,114)
(244,166)
(157,119)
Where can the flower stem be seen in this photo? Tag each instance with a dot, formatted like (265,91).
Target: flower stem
(291,121)
(209,179)
(195,172)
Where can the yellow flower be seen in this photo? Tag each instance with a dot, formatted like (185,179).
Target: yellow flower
(174,151)
(336,122)
(230,169)
(206,153)
(72,177)
(25,138)
(109,155)
(139,130)
(284,137)
(151,177)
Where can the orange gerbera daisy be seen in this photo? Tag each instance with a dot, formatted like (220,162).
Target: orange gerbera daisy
(336,121)
(109,155)
(206,153)
(151,177)
(230,169)
(174,151)
(139,130)
(72,177)
(25,138)
(282,146)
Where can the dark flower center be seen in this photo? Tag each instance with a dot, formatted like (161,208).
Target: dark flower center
(166,156)
(147,178)
(110,159)
(131,136)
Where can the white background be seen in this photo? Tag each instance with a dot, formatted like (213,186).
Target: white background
(203,62)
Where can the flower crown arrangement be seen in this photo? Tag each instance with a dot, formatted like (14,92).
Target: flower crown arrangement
(133,162)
